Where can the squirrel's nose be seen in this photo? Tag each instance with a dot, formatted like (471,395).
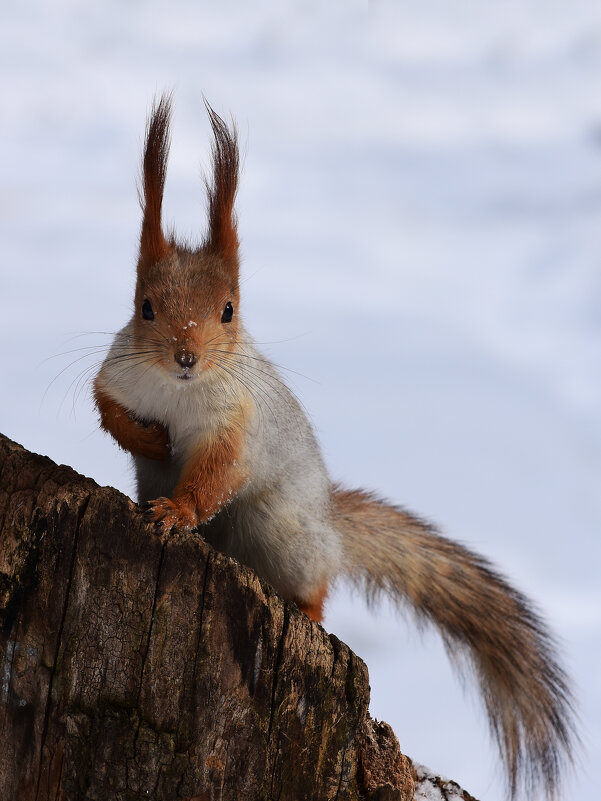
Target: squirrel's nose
(185,358)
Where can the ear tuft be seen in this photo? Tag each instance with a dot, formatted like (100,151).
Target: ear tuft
(222,237)
(153,245)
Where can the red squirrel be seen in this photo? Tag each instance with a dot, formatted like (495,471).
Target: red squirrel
(221,445)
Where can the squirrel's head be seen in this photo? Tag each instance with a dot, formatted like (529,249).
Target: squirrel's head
(187,300)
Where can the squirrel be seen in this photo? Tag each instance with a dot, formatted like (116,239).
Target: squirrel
(221,445)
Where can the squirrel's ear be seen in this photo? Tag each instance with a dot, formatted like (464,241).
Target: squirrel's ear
(222,237)
(153,245)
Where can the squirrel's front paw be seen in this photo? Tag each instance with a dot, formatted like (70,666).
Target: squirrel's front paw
(172,514)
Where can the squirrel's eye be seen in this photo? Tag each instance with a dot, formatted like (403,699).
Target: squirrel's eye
(147,312)
(228,313)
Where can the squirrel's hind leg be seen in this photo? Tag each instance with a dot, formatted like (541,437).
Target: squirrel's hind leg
(314,608)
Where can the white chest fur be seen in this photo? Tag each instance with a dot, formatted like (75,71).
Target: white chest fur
(191,410)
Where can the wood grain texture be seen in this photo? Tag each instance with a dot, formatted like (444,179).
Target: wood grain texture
(136,669)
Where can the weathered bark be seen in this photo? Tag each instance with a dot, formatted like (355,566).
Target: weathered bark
(140,670)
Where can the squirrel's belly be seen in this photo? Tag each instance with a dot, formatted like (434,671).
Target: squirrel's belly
(256,530)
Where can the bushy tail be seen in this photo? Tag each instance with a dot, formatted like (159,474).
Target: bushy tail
(388,551)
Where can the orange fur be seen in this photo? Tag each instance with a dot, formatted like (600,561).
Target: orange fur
(210,478)
(151,440)
(153,245)
(315,607)
(222,238)
(184,281)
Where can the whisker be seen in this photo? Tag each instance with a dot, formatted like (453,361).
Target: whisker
(90,348)
(81,334)
(117,357)
(82,383)
(259,403)
(131,350)
(134,360)
(76,382)
(64,370)
(270,342)
(272,381)
(265,387)
(259,395)
(268,362)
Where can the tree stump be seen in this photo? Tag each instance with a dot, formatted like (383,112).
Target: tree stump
(134,669)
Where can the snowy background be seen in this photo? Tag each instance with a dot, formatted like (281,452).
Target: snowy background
(420,213)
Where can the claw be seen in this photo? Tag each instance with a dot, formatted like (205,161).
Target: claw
(171,514)
(148,512)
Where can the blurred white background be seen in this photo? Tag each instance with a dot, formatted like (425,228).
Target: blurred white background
(420,212)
